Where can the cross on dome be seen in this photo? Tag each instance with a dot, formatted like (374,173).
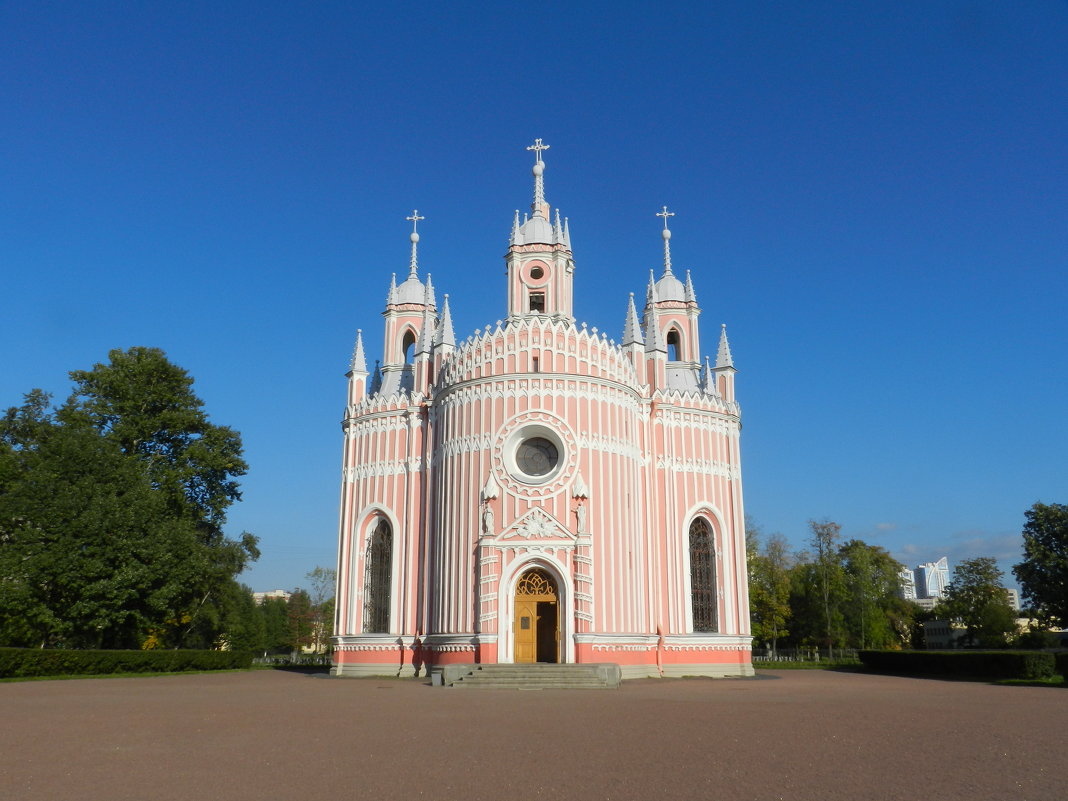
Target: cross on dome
(413,268)
(539,206)
(667,239)
(537,147)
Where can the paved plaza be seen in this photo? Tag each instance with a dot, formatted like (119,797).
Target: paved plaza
(803,735)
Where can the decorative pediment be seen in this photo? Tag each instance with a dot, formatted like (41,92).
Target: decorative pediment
(537,525)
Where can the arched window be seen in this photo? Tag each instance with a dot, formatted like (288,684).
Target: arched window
(674,345)
(378,572)
(408,345)
(703,576)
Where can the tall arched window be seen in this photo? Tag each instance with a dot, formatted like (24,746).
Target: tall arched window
(703,576)
(674,345)
(408,345)
(377,579)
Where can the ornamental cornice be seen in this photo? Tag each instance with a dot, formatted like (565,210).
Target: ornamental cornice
(707,467)
(534,385)
(614,445)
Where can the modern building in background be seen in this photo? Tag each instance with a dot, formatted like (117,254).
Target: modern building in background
(932,578)
(537,492)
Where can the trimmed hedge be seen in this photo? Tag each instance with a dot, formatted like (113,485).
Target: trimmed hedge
(1061,658)
(28,662)
(970,664)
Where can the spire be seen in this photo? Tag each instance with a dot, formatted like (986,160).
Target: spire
(723,355)
(392,289)
(538,207)
(376,379)
(667,239)
(515,229)
(567,235)
(654,340)
(428,294)
(709,379)
(691,296)
(426,332)
(650,291)
(413,268)
(359,361)
(558,231)
(632,331)
(445,335)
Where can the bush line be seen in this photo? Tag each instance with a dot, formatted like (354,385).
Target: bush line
(970,664)
(33,662)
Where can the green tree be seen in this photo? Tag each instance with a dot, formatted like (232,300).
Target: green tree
(769,590)
(824,541)
(322,581)
(1043,573)
(90,556)
(275,616)
(977,598)
(871,588)
(301,618)
(111,511)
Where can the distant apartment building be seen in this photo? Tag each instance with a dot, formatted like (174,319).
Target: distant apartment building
(260,597)
(931,579)
(907,584)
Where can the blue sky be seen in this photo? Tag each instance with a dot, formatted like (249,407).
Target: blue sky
(872,196)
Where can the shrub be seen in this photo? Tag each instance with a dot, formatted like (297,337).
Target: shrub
(969,664)
(27,662)
(1061,660)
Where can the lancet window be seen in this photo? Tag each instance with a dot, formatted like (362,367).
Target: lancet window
(703,576)
(674,346)
(377,579)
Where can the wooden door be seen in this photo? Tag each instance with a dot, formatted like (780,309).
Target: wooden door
(537,627)
(526,630)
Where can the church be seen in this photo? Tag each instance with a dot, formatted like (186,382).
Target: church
(537,492)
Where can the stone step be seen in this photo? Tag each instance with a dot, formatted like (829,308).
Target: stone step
(526,676)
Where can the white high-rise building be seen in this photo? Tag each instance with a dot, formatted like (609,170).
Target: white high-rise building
(932,578)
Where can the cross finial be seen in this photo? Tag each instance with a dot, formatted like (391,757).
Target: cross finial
(415,218)
(665,214)
(413,268)
(537,147)
(667,239)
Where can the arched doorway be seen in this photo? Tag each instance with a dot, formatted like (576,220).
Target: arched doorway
(537,618)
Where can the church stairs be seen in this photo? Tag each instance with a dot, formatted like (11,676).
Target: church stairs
(533,677)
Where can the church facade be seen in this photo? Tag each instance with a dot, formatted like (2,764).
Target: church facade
(536,492)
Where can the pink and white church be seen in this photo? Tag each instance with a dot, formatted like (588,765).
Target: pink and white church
(537,492)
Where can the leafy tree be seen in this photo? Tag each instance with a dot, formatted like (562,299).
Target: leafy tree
(1043,573)
(322,581)
(769,590)
(301,620)
(871,588)
(90,556)
(824,540)
(275,614)
(976,597)
(111,511)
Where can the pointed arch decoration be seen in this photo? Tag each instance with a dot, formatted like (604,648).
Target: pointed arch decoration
(674,345)
(407,345)
(378,570)
(703,593)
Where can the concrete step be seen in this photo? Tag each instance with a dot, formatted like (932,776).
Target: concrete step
(530,677)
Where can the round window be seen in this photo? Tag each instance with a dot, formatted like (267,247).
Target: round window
(537,457)
(536,272)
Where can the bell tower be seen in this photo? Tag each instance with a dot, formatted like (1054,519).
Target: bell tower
(539,264)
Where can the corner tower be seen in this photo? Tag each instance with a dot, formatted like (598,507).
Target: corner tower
(539,263)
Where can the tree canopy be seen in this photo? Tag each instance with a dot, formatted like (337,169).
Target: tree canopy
(1043,573)
(112,510)
(977,598)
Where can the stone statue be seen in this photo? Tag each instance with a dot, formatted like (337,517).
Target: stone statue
(581,514)
(487,521)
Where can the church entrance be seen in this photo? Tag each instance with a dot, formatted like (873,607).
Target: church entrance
(537,622)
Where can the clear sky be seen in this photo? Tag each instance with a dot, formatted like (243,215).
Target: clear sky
(872,196)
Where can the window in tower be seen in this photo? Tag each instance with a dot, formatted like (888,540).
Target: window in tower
(674,346)
(537,302)
(378,569)
(408,345)
(703,576)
